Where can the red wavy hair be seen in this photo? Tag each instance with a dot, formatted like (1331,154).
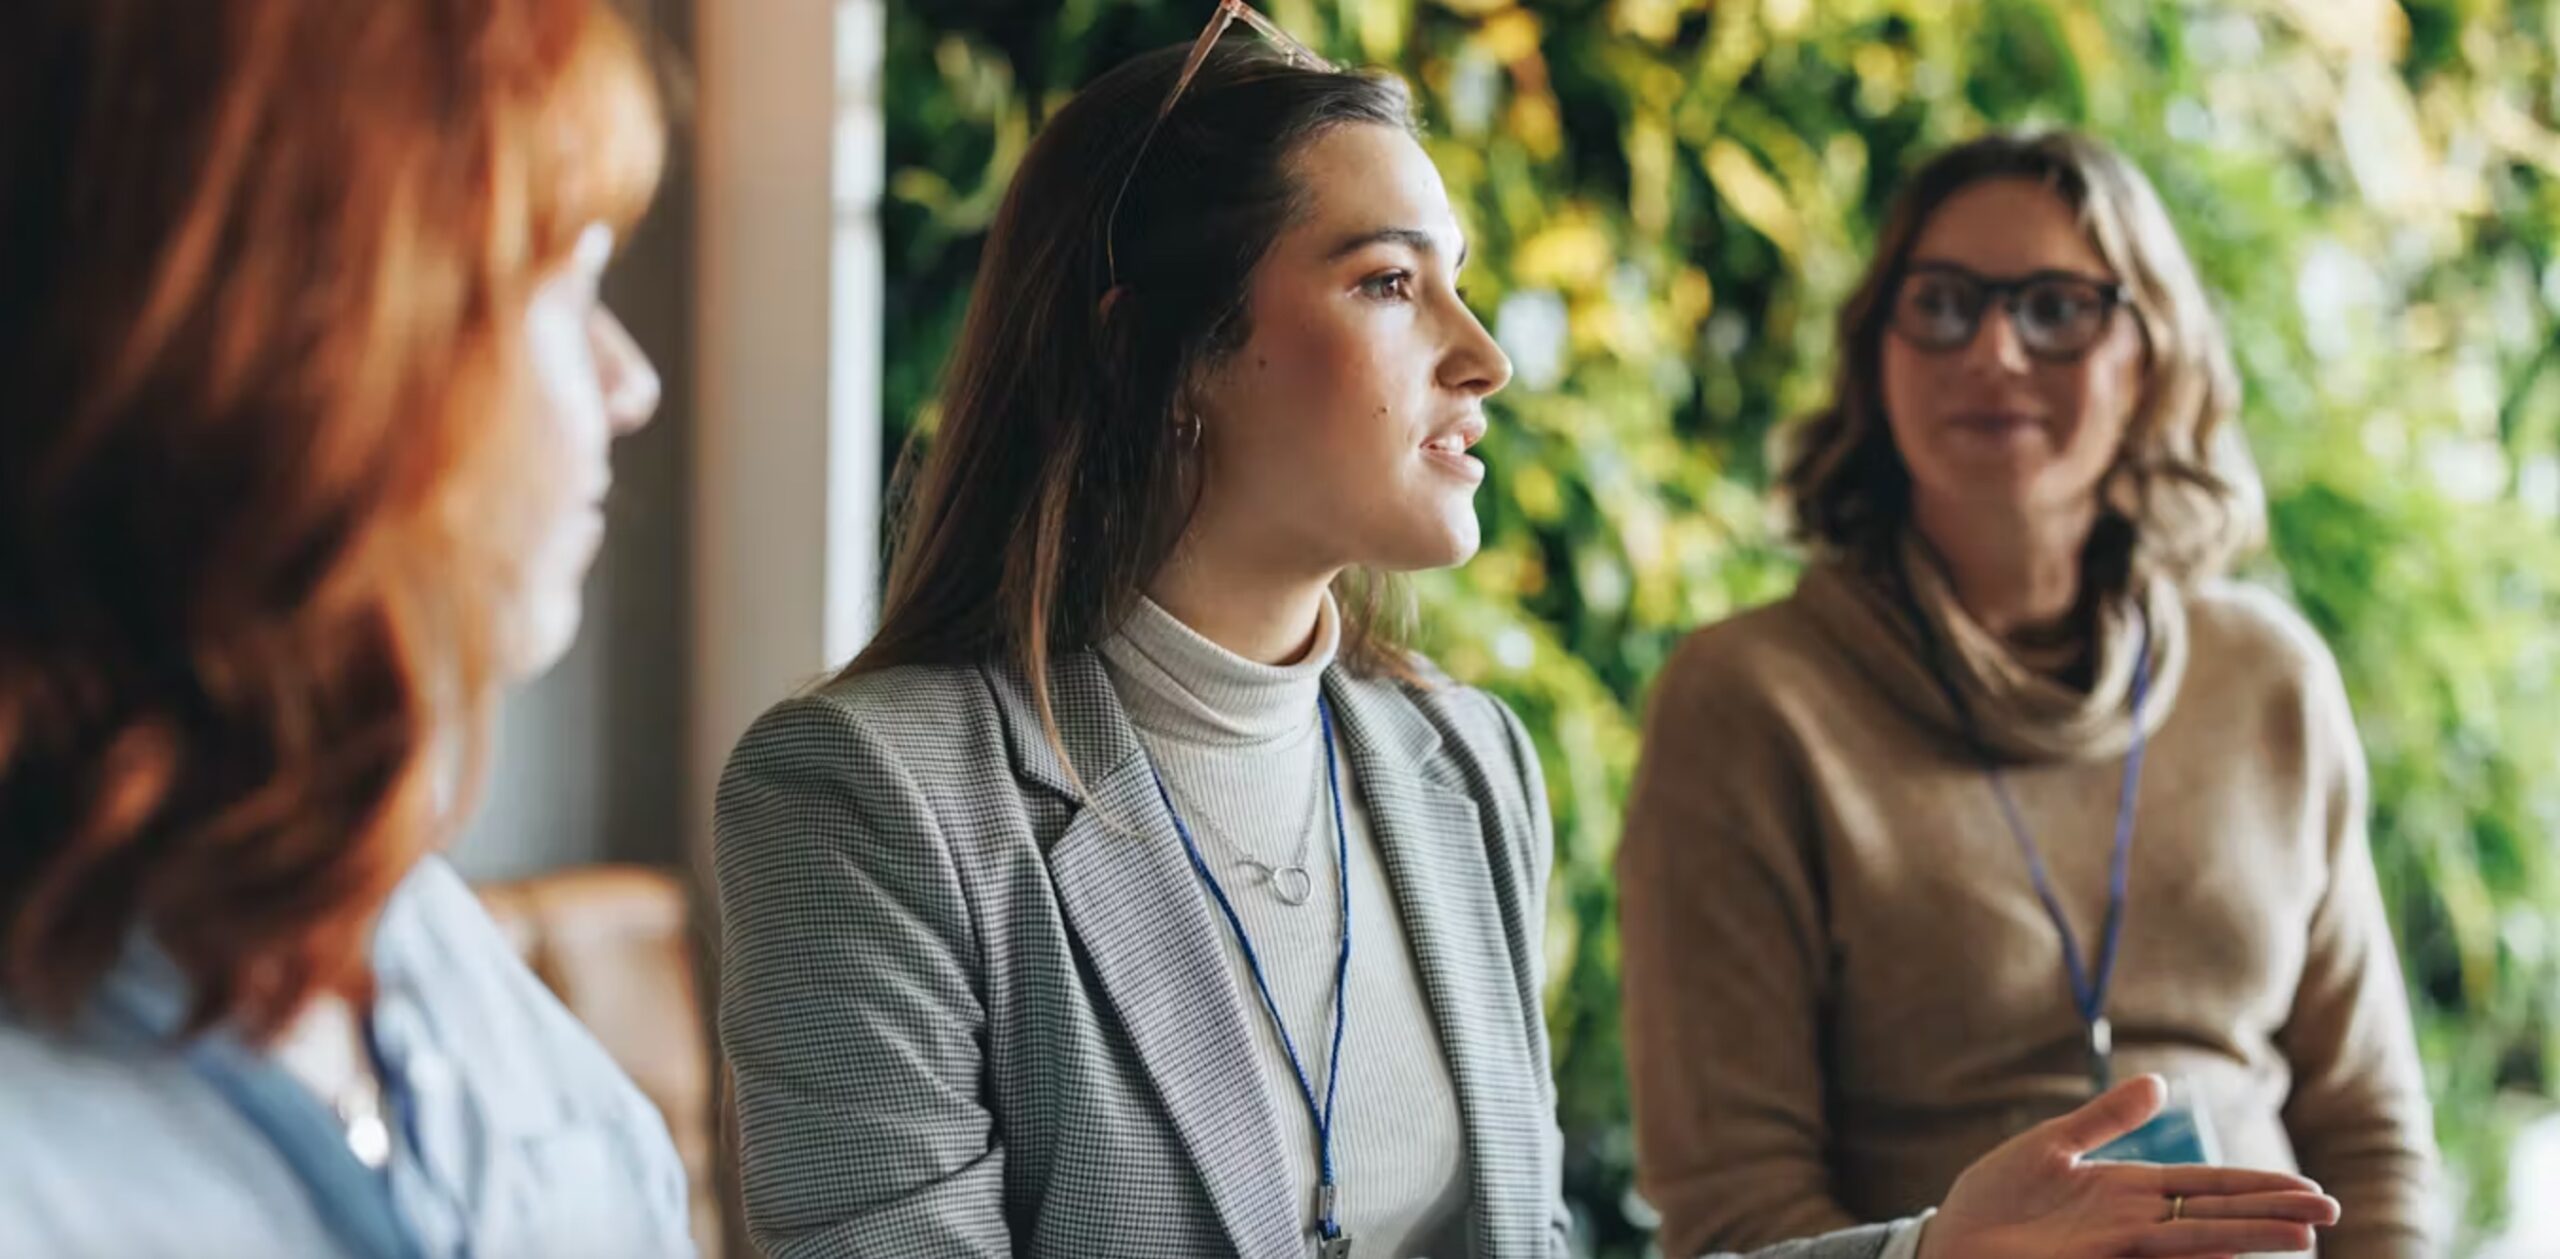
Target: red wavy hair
(262,456)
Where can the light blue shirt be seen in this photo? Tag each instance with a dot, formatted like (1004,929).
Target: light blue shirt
(529,1141)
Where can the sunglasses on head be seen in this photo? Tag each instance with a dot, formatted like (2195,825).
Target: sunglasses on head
(2058,315)
(1229,13)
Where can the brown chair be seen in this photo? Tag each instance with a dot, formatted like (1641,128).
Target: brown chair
(615,944)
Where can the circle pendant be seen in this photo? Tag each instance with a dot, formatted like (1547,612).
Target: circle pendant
(1293,885)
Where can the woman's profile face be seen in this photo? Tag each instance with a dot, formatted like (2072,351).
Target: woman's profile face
(590,385)
(1990,420)
(1337,434)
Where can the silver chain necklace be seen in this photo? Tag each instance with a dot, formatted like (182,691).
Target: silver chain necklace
(1290,881)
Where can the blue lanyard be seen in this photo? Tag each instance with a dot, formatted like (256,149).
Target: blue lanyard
(1328,1223)
(2088,990)
(354,1202)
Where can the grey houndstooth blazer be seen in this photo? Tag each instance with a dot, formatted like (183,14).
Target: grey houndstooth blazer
(974,1011)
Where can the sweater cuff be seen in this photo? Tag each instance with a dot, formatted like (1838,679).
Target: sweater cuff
(1905,1242)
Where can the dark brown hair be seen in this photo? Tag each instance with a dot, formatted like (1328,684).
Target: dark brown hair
(1055,486)
(262,267)
(2181,497)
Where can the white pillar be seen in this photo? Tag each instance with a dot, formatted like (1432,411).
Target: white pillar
(787,325)
(861,172)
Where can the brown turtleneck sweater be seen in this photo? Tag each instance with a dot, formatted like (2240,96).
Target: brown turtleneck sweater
(1841,988)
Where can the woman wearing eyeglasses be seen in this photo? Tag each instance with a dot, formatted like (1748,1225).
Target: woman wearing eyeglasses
(1134,893)
(2014,795)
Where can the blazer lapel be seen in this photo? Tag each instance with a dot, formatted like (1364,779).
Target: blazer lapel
(1133,901)
(1430,835)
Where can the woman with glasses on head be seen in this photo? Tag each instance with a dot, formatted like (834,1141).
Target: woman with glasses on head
(2015,794)
(1134,893)
(306,398)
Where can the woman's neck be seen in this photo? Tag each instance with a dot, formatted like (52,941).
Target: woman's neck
(1265,614)
(2016,571)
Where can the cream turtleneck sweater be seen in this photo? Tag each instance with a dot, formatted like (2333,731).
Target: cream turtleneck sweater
(1240,749)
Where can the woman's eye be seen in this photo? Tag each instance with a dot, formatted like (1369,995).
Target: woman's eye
(1938,301)
(2054,306)
(1392,286)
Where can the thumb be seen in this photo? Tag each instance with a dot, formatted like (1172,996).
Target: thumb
(2114,1113)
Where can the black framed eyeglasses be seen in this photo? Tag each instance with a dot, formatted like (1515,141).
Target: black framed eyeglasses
(2058,315)
(1229,13)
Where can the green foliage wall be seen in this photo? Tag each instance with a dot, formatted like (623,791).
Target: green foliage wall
(1668,198)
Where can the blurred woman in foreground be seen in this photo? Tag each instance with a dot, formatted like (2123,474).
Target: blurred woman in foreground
(305,404)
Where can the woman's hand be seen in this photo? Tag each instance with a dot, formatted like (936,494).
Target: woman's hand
(2037,1197)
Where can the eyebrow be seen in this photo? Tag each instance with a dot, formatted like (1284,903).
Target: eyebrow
(1918,265)
(1413,238)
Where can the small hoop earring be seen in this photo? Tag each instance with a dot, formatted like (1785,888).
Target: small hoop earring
(1188,429)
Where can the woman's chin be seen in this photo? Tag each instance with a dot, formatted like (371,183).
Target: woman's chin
(550,602)
(2019,482)
(540,637)
(1447,543)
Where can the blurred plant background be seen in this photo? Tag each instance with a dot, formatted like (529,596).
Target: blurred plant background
(1667,200)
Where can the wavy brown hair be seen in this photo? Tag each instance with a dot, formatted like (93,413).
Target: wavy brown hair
(262,270)
(1058,482)
(2181,497)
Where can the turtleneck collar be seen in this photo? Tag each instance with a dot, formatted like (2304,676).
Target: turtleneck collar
(2020,713)
(1179,685)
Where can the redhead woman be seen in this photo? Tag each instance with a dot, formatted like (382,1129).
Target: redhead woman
(308,399)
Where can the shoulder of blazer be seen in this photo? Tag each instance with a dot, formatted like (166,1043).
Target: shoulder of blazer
(1478,727)
(920,695)
(1476,746)
(927,723)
